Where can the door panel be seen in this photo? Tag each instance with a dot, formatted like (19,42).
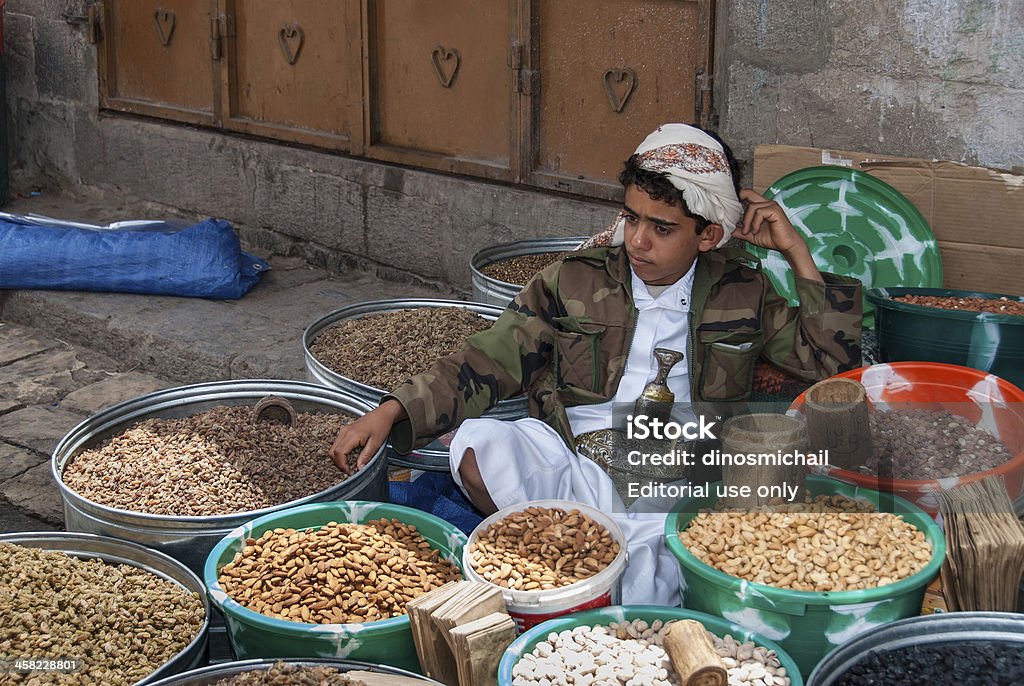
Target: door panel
(292,69)
(155,58)
(611,72)
(440,84)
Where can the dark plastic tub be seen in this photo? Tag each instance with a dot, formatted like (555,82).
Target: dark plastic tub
(990,342)
(953,628)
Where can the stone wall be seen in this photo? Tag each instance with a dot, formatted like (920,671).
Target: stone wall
(939,79)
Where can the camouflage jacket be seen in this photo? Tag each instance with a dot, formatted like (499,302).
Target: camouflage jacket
(564,340)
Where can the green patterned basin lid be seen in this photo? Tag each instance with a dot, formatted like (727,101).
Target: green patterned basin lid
(855,225)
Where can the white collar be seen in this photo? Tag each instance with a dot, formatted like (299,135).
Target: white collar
(676,297)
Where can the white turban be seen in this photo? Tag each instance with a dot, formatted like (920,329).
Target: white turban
(696,164)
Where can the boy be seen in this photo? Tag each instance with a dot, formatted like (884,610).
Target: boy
(580,337)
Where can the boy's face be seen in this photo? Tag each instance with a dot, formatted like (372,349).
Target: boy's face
(661,241)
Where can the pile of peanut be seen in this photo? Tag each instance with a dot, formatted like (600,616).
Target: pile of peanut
(541,548)
(830,543)
(630,653)
(339,574)
(121,622)
(210,463)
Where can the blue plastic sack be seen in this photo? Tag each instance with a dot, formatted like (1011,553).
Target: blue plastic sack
(204,260)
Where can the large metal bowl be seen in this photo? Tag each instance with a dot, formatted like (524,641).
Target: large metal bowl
(113,551)
(207,676)
(190,539)
(434,456)
(487,289)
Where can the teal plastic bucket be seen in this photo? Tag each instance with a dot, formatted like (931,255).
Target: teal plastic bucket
(807,624)
(387,641)
(988,341)
(619,613)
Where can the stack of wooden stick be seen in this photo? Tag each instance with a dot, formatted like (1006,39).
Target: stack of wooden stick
(461,630)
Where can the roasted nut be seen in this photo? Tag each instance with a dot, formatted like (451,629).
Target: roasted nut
(542,548)
(830,543)
(1001,305)
(338,574)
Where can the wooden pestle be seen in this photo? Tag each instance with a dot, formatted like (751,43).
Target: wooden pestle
(693,656)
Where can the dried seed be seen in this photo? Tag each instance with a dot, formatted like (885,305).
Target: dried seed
(121,621)
(384,349)
(943,445)
(210,463)
(521,268)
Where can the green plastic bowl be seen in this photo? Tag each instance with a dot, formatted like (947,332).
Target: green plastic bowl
(990,342)
(807,624)
(618,613)
(387,641)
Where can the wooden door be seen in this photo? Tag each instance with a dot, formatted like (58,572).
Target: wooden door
(291,70)
(440,85)
(610,72)
(155,58)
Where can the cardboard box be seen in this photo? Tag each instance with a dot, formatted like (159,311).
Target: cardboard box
(976,213)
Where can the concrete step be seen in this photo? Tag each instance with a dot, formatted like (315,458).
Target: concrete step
(192,340)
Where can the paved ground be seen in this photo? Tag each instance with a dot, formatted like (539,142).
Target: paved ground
(67,355)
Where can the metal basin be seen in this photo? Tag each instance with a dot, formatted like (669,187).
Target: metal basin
(206,676)
(190,539)
(112,551)
(487,289)
(434,456)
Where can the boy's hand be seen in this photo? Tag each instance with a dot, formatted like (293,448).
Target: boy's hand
(369,431)
(766,225)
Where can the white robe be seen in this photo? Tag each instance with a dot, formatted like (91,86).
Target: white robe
(527,460)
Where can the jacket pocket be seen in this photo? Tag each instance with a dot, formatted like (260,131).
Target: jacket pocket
(728,370)
(578,362)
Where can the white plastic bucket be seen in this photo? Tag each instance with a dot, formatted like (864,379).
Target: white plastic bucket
(530,608)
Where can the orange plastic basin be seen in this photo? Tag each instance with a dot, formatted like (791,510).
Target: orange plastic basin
(977,396)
